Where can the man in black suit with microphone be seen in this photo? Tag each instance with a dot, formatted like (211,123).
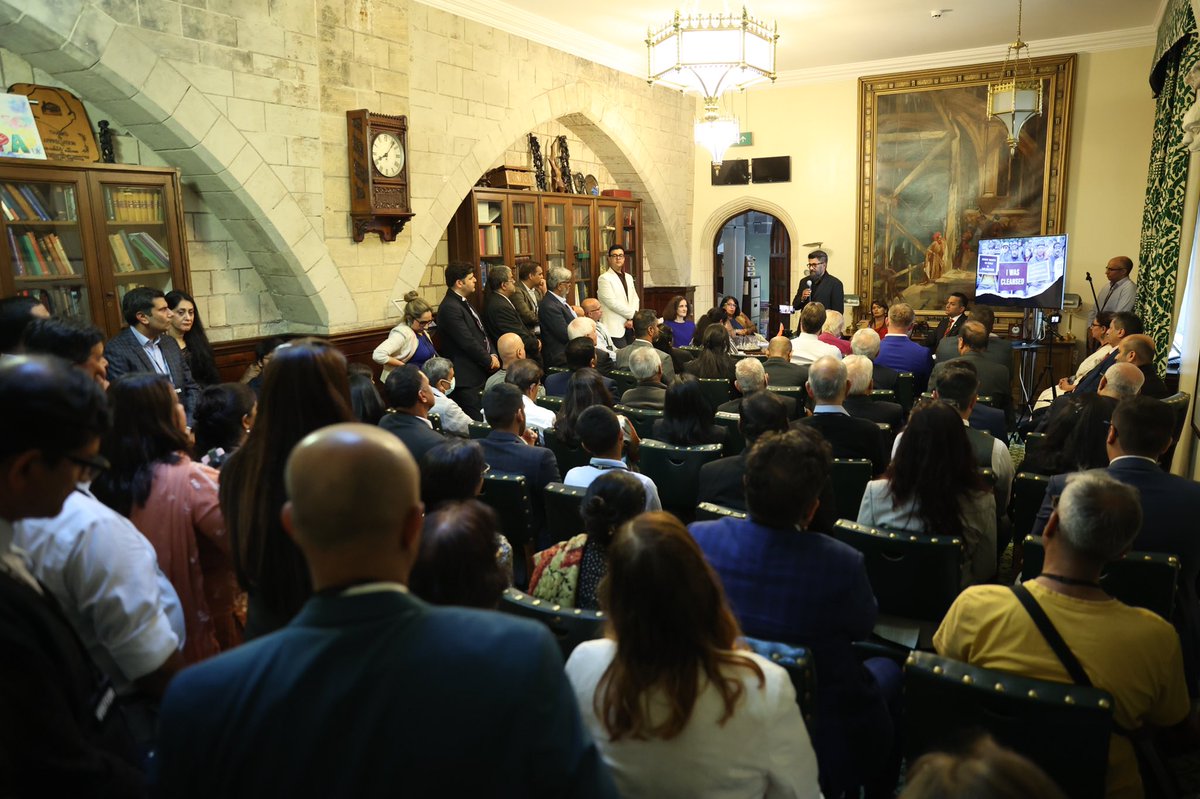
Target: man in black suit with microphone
(820,286)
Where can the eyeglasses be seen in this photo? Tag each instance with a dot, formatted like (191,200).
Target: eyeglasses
(618,255)
(424,322)
(814,264)
(91,467)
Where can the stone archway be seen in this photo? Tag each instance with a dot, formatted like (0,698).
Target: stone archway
(106,64)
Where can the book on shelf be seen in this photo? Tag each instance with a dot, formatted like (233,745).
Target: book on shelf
(133,205)
(153,256)
(121,260)
(34,201)
(60,300)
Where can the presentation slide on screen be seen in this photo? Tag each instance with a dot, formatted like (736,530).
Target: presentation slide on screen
(1024,271)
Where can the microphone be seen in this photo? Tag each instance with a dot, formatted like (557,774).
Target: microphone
(808,283)
(1088,276)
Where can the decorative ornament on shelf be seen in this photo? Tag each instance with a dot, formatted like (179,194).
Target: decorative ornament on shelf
(539,166)
(1017,97)
(711,54)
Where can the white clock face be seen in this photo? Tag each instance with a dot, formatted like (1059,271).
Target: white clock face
(387,154)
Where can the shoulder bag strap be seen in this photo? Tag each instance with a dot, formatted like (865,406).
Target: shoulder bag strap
(1046,628)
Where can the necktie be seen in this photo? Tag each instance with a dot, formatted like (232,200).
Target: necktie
(479,324)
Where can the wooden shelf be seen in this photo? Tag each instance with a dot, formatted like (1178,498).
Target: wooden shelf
(41,222)
(123,277)
(41,279)
(115,223)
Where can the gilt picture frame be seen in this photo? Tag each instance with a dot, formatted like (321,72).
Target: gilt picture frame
(936,175)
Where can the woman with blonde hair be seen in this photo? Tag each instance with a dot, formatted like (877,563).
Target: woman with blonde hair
(408,342)
(673,704)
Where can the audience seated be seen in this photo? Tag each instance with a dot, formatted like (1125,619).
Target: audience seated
(455,420)
(1124,323)
(264,351)
(858,402)
(993,378)
(897,351)
(408,343)
(401,674)
(714,361)
(831,332)
(687,417)
(15,315)
(188,331)
(364,397)
(269,566)
(145,345)
(998,350)
(645,331)
(456,564)
(225,415)
(410,399)
(866,342)
(580,354)
(1075,434)
(981,417)
(511,446)
(849,437)
(1138,349)
(61,735)
(1098,331)
(554,314)
(173,501)
(751,376)
(1129,652)
(78,343)
(569,573)
(676,708)
(585,327)
(650,392)
(606,348)
(933,487)
(511,350)
(599,432)
(982,771)
(713,316)
(675,318)
(787,582)
(779,367)
(585,388)
(807,346)
(526,375)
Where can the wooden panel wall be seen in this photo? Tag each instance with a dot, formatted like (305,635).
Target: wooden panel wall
(234,356)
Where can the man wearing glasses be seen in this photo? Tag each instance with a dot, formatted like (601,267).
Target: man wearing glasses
(1120,292)
(618,297)
(820,286)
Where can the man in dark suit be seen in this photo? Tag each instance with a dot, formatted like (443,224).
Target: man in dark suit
(389,677)
(580,354)
(554,314)
(849,437)
(586,327)
(409,397)
(998,350)
(464,341)
(993,378)
(531,287)
(820,286)
(779,367)
(512,447)
(1138,350)
(950,324)
(865,342)
(650,393)
(900,352)
(60,734)
(1123,324)
(858,402)
(750,377)
(145,345)
(645,331)
(721,480)
(500,314)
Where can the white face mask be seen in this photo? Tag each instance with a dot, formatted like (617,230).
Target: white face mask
(450,390)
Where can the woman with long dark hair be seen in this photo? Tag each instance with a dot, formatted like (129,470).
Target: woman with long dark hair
(714,360)
(687,416)
(305,388)
(585,389)
(172,500)
(223,418)
(673,704)
(188,332)
(736,322)
(365,401)
(569,572)
(933,487)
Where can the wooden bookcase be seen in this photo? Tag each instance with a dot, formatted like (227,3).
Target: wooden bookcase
(501,226)
(78,236)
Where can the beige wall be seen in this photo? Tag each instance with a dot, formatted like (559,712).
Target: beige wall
(817,125)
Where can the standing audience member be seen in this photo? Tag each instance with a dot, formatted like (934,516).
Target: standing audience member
(599,432)
(554,314)
(145,345)
(687,417)
(500,315)
(410,399)
(714,361)
(897,351)
(401,674)
(675,317)
(225,415)
(464,341)
(408,342)
(808,346)
(675,704)
(188,331)
(61,735)
(866,343)
(933,487)
(618,295)
(569,573)
(78,343)
(645,331)
(442,380)
(1129,652)
(173,501)
(531,287)
(364,397)
(849,437)
(1121,291)
(457,564)
(269,566)
(650,392)
(15,314)
(789,582)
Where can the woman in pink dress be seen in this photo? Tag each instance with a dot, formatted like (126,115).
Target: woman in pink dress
(173,501)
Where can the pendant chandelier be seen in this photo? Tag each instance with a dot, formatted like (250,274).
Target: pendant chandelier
(1017,97)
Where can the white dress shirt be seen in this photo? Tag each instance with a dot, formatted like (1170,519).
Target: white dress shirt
(582,477)
(537,417)
(807,348)
(454,420)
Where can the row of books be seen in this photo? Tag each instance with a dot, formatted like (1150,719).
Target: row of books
(26,202)
(137,252)
(65,301)
(489,240)
(39,255)
(133,205)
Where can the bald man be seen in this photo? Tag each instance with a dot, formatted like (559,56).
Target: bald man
(1138,349)
(369,688)
(779,367)
(1121,291)
(593,310)
(511,348)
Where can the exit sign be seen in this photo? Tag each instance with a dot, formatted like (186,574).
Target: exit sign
(745,139)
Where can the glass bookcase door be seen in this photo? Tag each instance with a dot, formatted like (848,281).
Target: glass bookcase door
(44,245)
(581,243)
(524,217)
(607,217)
(489,219)
(137,242)
(554,223)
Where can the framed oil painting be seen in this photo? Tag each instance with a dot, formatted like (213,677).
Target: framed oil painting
(936,176)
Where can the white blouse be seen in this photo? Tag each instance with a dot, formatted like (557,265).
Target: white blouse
(762,750)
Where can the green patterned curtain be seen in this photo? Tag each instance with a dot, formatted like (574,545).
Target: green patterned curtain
(1176,54)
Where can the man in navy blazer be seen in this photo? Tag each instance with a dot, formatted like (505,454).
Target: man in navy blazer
(409,398)
(554,314)
(464,340)
(369,691)
(511,447)
(901,353)
(145,346)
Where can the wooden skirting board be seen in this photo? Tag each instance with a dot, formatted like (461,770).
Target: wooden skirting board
(234,356)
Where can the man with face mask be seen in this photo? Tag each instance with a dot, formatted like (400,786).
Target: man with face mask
(440,372)
(820,286)
(410,398)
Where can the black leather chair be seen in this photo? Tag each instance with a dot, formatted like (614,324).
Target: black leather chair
(735,442)
(1178,402)
(676,473)
(563,503)
(850,478)
(643,419)
(508,495)
(905,391)
(1147,580)
(550,403)
(798,663)
(1033,442)
(797,393)
(1028,491)
(1064,728)
(568,456)
(624,380)
(716,390)
(478,429)
(435,419)
(554,370)
(571,626)
(883,395)
(707,511)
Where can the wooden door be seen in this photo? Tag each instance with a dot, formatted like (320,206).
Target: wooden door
(779,291)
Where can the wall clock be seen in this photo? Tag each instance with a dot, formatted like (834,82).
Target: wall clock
(377,145)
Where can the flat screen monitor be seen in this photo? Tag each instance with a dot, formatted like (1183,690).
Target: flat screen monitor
(1027,272)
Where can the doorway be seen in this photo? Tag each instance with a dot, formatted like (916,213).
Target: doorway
(752,256)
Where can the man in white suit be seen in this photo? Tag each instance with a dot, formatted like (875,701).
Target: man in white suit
(618,297)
